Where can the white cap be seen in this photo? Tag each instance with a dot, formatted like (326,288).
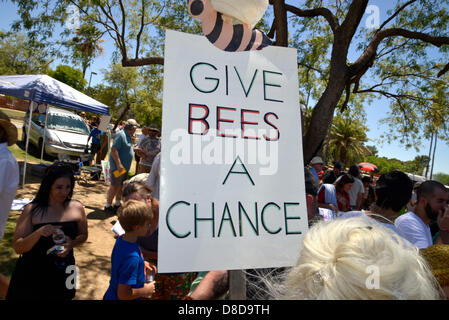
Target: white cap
(316,160)
(131,123)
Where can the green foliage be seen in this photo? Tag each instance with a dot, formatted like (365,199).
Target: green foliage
(373,150)
(137,28)
(346,140)
(385,164)
(415,166)
(107,95)
(19,55)
(403,69)
(70,76)
(441,177)
(140,90)
(85,45)
(149,110)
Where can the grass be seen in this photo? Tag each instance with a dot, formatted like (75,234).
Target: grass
(8,257)
(19,153)
(13,114)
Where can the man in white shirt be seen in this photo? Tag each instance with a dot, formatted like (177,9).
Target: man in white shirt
(392,192)
(9,179)
(155,176)
(316,165)
(357,189)
(433,198)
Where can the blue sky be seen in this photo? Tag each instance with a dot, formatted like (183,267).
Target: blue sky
(377,110)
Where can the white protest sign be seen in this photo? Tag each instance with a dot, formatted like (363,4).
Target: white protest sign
(232,176)
(104,122)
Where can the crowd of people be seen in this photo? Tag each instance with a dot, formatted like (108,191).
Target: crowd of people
(357,224)
(416,215)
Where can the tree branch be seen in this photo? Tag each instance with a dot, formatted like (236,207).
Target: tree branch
(443,71)
(369,54)
(142,25)
(393,95)
(123,26)
(142,61)
(348,94)
(395,14)
(301,64)
(324,12)
(353,17)
(118,38)
(272,30)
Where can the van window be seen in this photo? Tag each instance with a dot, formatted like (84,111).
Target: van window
(67,122)
(38,118)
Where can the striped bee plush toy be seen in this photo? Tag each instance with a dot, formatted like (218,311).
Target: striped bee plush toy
(229,24)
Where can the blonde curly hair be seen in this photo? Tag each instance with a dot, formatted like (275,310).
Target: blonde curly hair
(356,258)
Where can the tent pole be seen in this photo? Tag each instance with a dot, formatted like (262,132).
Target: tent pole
(32,103)
(45,131)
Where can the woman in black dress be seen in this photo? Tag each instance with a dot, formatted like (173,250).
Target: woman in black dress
(40,274)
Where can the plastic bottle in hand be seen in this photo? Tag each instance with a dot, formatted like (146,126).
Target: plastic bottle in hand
(149,277)
(59,239)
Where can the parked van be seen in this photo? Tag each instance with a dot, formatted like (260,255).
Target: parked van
(67,133)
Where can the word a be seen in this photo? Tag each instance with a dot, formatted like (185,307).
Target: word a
(373,20)
(72,281)
(73,18)
(372,282)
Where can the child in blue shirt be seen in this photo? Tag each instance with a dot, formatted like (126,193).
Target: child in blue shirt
(127,263)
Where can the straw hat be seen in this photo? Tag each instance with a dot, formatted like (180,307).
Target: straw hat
(437,256)
(9,127)
(153,128)
(131,123)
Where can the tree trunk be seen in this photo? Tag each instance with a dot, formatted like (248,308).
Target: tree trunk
(343,155)
(280,20)
(322,116)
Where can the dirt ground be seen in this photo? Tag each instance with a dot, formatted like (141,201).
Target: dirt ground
(93,257)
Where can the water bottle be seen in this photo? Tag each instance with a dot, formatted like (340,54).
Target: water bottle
(59,237)
(149,277)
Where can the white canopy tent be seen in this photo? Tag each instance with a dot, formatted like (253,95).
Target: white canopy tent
(415,177)
(45,89)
